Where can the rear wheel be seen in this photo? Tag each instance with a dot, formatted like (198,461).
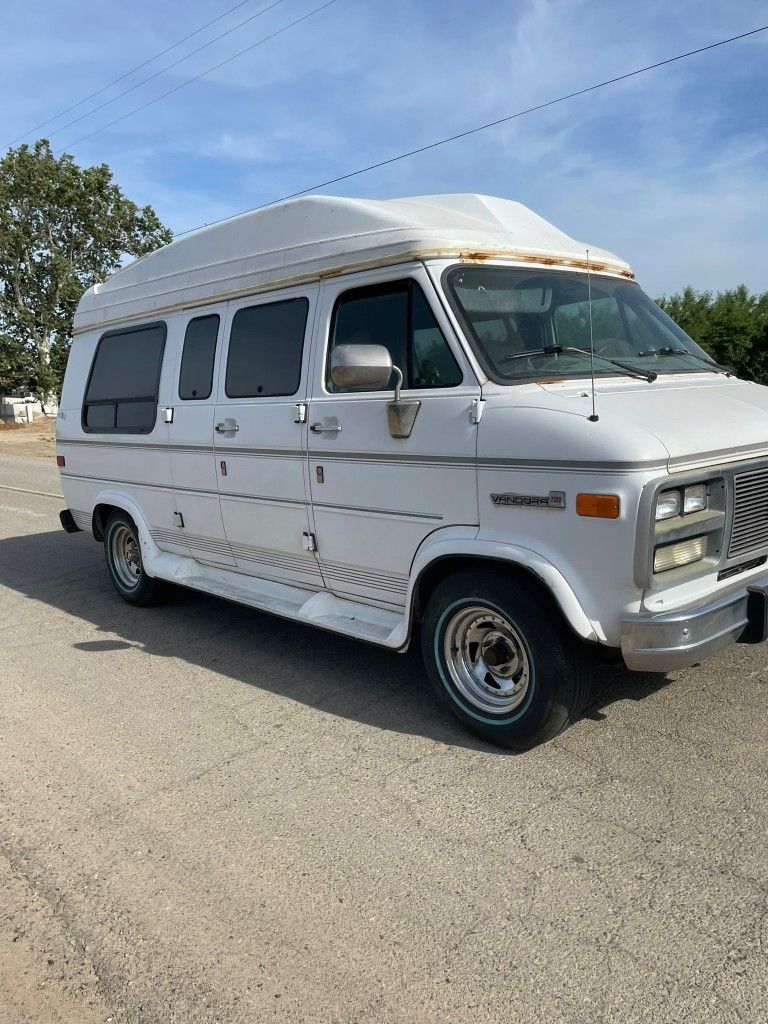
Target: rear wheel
(502,660)
(122,551)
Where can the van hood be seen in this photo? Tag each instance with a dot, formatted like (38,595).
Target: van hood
(684,422)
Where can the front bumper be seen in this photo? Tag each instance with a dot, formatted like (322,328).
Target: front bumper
(672,640)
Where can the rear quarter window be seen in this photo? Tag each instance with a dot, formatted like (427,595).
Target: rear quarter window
(122,390)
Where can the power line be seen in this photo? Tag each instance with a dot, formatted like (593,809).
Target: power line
(484,127)
(127,74)
(208,71)
(169,67)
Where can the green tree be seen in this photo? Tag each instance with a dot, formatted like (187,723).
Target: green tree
(731,326)
(62,228)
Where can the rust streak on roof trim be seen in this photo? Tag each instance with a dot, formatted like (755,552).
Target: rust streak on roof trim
(271,281)
(548,261)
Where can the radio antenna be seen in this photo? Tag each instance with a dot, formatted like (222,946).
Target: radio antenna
(594,417)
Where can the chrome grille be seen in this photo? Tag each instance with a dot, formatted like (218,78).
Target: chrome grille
(750,512)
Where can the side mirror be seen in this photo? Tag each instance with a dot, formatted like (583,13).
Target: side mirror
(361,367)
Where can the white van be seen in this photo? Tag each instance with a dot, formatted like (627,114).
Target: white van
(438,412)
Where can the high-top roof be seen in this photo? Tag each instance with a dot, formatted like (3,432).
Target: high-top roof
(316,236)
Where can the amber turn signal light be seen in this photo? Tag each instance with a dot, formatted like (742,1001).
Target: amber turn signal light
(60,461)
(598,506)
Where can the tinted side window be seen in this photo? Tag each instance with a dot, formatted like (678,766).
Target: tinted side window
(398,317)
(265,348)
(196,373)
(431,361)
(122,389)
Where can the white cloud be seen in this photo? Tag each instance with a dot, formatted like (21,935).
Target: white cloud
(668,168)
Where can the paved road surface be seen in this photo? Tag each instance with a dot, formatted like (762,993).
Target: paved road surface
(210,815)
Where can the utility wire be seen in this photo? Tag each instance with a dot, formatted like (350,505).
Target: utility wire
(208,71)
(169,67)
(485,127)
(127,74)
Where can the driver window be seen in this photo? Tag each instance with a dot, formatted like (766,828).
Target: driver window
(397,316)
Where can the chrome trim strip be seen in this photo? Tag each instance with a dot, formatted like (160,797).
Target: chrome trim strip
(402,459)
(390,579)
(397,513)
(266,498)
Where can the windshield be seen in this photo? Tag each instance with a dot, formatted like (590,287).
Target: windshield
(511,314)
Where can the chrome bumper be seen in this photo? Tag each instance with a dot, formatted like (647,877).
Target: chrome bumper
(672,640)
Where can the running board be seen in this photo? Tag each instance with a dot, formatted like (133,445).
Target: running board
(317,608)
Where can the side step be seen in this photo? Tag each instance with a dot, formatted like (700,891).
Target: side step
(352,618)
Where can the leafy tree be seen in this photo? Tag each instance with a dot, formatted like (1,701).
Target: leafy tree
(731,326)
(62,228)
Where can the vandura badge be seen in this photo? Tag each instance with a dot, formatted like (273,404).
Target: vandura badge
(555,499)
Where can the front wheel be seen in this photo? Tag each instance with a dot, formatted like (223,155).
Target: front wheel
(500,658)
(122,552)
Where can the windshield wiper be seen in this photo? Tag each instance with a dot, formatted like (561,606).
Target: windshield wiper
(555,350)
(669,351)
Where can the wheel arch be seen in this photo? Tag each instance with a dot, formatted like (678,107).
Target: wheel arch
(108,502)
(101,514)
(449,555)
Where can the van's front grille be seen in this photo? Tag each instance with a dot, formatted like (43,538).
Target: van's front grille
(750,512)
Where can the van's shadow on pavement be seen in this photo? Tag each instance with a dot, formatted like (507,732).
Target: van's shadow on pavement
(340,676)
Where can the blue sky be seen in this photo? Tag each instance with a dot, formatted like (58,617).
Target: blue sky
(669,169)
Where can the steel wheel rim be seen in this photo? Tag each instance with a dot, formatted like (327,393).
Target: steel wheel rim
(126,557)
(487,659)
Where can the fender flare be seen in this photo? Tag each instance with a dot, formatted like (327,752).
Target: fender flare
(464,541)
(149,550)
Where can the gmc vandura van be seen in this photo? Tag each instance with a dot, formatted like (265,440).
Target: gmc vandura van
(438,413)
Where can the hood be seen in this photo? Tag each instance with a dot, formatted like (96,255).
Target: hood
(684,422)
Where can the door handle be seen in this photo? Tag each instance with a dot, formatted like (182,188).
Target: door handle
(325,428)
(227,427)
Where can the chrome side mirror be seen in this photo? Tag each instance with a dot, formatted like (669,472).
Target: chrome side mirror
(368,368)
(361,367)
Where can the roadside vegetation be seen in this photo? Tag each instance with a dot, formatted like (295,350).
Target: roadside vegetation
(62,228)
(732,326)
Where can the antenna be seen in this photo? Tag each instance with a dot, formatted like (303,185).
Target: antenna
(594,417)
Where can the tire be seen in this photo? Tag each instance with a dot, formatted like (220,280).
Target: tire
(502,660)
(122,552)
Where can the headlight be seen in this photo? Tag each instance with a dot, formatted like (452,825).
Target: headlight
(694,498)
(668,505)
(672,556)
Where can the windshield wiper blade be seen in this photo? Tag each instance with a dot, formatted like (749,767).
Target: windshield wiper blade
(669,351)
(554,350)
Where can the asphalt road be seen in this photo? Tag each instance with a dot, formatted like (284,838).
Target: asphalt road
(211,815)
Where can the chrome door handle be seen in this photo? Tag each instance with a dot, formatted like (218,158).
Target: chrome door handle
(322,428)
(227,427)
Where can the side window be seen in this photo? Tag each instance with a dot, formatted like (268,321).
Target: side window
(121,395)
(198,354)
(431,361)
(397,316)
(265,348)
